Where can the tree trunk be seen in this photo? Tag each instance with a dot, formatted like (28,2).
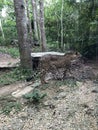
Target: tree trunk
(1,30)
(29,25)
(42,27)
(34,9)
(62,45)
(21,22)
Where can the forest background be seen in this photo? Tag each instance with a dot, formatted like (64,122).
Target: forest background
(69,24)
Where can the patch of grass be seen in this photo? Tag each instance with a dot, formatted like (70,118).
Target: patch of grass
(8,103)
(14,52)
(45,86)
(8,107)
(12,76)
(68,82)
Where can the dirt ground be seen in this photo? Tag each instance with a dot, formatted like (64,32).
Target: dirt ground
(66,107)
(7,61)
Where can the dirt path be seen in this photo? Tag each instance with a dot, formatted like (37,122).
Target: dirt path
(8,89)
(7,61)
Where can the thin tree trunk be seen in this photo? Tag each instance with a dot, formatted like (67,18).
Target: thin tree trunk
(1,29)
(34,9)
(21,22)
(42,27)
(29,24)
(62,45)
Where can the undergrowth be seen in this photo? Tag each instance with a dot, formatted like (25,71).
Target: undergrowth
(14,52)
(13,75)
(8,107)
(34,97)
(8,104)
(68,82)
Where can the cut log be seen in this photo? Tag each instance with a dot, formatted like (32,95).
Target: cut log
(36,57)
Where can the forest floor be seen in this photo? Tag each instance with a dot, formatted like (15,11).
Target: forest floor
(67,106)
(7,61)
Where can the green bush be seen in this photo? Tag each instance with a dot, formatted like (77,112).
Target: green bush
(14,52)
(34,97)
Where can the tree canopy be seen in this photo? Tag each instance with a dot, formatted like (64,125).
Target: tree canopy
(76,23)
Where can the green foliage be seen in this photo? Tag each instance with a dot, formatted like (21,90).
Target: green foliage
(2,42)
(69,82)
(8,104)
(53,24)
(10,33)
(13,51)
(13,75)
(80,24)
(8,107)
(80,21)
(34,97)
(1,4)
(8,23)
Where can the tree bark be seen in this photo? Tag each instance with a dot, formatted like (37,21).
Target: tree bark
(21,22)
(29,25)
(1,30)
(34,10)
(62,45)
(42,27)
